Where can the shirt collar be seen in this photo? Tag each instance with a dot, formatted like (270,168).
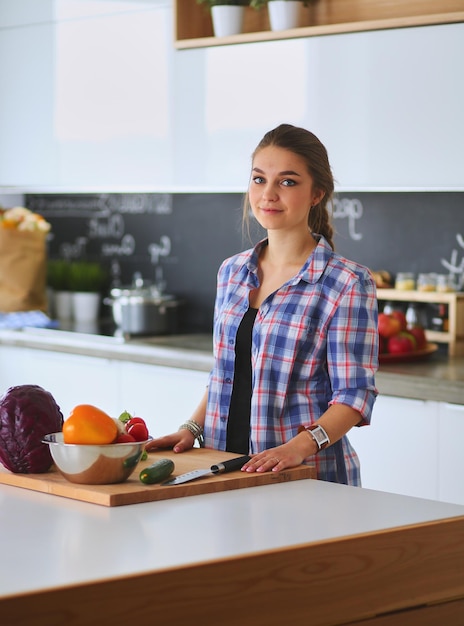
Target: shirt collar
(311,271)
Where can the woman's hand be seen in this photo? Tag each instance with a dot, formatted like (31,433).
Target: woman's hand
(290,454)
(180,441)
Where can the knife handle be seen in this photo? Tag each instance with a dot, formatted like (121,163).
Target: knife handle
(230,466)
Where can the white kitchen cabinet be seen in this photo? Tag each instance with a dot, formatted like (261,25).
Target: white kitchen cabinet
(165,397)
(80,116)
(71,379)
(126,110)
(399,450)
(450,444)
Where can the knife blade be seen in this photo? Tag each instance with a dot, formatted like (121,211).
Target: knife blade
(219,468)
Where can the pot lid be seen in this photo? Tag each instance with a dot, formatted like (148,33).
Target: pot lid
(147,298)
(150,291)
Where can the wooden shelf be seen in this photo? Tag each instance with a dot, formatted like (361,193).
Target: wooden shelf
(193,26)
(402,295)
(455,302)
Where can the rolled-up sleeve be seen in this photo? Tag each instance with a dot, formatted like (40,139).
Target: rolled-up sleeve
(352,348)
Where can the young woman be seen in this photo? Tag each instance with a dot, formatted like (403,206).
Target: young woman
(295,327)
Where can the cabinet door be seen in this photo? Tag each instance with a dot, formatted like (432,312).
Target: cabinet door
(163,396)
(399,451)
(450,442)
(71,379)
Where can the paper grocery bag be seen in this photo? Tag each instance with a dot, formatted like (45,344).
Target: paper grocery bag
(23,269)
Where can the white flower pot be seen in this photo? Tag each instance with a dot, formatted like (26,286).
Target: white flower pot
(63,302)
(284,14)
(227,19)
(86,306)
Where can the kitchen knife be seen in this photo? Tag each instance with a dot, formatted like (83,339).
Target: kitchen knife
(219,468)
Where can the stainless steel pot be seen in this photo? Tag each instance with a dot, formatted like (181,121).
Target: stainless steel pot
(143,311)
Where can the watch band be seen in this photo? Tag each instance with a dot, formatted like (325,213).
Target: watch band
(318,434)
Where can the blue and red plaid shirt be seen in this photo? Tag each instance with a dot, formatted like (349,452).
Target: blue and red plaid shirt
(314,343)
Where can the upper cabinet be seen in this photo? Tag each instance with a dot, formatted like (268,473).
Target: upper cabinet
(193,26)
(128,111)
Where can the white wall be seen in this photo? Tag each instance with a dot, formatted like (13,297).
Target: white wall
(94,96)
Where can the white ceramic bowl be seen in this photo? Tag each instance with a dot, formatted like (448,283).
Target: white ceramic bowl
(94,464)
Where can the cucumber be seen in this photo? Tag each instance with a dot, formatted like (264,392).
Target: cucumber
(157,472)
(132,461)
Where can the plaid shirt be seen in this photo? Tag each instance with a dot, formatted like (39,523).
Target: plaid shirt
(314,343)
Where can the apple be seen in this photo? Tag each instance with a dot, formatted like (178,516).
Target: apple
(419,334)
(388,325)
(401,317)
(402,343)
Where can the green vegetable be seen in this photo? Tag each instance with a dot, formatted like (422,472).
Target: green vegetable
(125,417)
(132,461)
(157,472)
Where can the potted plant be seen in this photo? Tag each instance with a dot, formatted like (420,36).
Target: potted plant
(59,288)
(87,280)
(227,16)
(87,276)
(283,14)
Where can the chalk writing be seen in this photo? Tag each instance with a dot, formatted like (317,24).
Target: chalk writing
(80,205)
(140,204)
(73,250)
(352,209)
(453,266)
(125,247)
(156,250)
(90,205)
(113,226)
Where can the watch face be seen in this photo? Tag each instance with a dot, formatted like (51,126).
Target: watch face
(320,435)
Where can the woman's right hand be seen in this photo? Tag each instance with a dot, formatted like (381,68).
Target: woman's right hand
(180,441)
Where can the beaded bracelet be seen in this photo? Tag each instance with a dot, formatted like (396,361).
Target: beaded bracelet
(195,429)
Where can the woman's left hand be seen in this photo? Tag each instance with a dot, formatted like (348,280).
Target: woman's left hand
(290,454)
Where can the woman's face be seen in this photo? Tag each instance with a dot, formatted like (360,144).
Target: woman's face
(281,190)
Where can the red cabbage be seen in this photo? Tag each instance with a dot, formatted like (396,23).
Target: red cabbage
(27,413)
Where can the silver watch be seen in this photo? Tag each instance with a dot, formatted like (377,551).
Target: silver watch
(319,435)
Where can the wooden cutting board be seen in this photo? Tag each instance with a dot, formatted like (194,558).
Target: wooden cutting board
(133,491)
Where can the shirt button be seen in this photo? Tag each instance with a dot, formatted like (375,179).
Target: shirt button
(228,380)
(231,342)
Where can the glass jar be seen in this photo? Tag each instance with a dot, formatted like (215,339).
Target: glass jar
(445,283)
(405,281)
(426,282)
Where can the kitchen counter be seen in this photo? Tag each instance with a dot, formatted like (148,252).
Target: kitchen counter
(232,557)
(438,378)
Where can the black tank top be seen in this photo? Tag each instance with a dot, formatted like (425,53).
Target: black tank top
(238,425)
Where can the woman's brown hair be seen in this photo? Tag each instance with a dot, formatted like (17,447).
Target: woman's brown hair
(306,145)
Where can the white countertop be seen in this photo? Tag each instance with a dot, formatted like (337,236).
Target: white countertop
(182,351)
(49,541)
(437,378)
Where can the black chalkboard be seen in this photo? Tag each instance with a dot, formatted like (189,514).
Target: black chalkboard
(415,232)
(182,238)
(178,238)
